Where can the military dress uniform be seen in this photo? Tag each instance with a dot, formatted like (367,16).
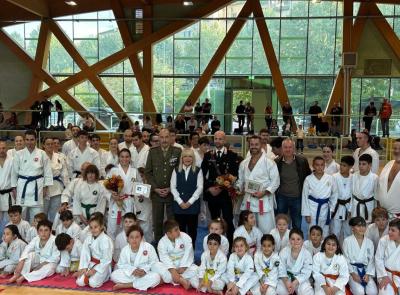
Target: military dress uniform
(158,171)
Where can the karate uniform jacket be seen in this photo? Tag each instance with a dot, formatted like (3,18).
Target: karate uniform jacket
(389,198)
(49,253)
(216,265)
(143,259)
(100,248)
(253,238)
(342,191)
(267,268)
(5,183)
(387,257)
(60,174)
(280,243)
(224,247)
(76,158)
(356,254)
(66,258)
(239,270)
(364,187)
(74,230)
(176,254)
(10,253)
(300,268)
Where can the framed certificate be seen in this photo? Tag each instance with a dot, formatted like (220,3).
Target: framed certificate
(141,189)
(252,186)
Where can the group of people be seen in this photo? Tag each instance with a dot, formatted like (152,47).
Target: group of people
(41,112)
(58,213)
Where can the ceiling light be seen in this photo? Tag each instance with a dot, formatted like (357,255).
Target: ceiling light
(187,3)
(70,3)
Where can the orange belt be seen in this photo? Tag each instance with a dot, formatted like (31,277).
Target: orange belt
(95,260)
(394,273)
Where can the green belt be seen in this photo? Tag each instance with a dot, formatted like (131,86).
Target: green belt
(87,208)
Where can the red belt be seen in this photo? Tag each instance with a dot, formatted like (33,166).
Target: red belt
(95,261)
(260,206)
(394,273)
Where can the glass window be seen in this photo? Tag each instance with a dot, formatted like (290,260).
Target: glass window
(296,90)
(186,56)
(293,46)
(133,100)
(318,90)
(60,61)
(17,33)
(212,34)
(88,48)
(163,94)
(163,57)
(238,58)
(182,89)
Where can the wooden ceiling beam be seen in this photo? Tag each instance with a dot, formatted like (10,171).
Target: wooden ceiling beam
(38,7)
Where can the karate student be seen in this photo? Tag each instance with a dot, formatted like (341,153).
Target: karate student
(341,201)
(240,276)
(217,226)
(31,176)
(248,230)
(140,152)
(331,167)
(82,153)
(96,256)
(19,144)
(318,190)
(121,202)
(135,264)
(121,240)
(70,250)
(40,257)
(10,250)
(110,156)
(32,232)
(176,255)
(6,199)
(15,215)
(387,259)
(313,245)
(295,267)
(359,252)
(142,205)
(267,263)
(263,173)
(68,225)
(330,271)
(365,185)
(71,144)
(281,232)
(379,226)
(212,268)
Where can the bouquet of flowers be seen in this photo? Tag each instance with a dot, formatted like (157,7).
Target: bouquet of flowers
(115,183)
(227,182)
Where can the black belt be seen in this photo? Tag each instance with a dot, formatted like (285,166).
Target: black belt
(363,202)
(340,202)
(7,191)
(77,173)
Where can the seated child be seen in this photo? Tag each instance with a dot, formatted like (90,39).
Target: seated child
(217,226)
(121,240)
(281,232)
(248,230)
(86,231)
(15,215)
(379,226)
(11,249)
(40,257)
(212,267)
(68,225)
(96,256)
(330,271)
(176,255)
(32,232)
(313,245)
(135,263)
(70,250)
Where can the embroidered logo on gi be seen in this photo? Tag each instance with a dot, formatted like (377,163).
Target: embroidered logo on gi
(36,159)
(182,246)
(94,193)
(144,252)
(336,267)
(276,264)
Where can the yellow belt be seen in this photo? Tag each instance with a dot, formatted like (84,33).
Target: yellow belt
(209,272)
(74,266)
(266,271)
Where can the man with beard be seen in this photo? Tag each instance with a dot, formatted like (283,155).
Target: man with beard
(266,149)
(128,141)
(73,142)
(258,181)
(364,147)
(141,151)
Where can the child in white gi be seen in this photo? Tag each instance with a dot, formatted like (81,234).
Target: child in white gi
(330,271)
(359,252)
(40,257)
(68,225)
(176,255)
(10,250)
(281,232)
(212,267)
(365,186)
(121,240)
(135,263)
(313,245)
(70,250)
(387,259)
(15,215)
(267,263)
(379,226)
(96,256)
(331,167)
(240,276)
(217,226)
(142,206)
(317,196)
(295,267)
(32,232)
(342,199)
(248,230)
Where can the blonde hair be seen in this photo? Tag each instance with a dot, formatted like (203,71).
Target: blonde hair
(187,152)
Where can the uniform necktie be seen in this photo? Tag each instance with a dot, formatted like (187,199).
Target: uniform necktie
(219,154)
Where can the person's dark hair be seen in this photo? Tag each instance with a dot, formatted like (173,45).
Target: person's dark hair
(97,218)
(137,134)
(318,158)
(193,134)
(15,209)
(62,241)
(172,130)
(66,215)
(358,220)
(330,146)
(31,132)
(365,158)
(263,130)
(268,237)
(170,224)
(93,136)
(214,237)
(109,167)
(129,215)
(395,223)
(83,133)
(317,228)
(397,140)
(124,150)
(349,160)
(335,239)
(46,138)
(204,140)
(244,216)
(45,223)
(277,142)
(134,228)
(15,231)
(40,216)
(296,231)
(366,133)
(256,137)
(91,169)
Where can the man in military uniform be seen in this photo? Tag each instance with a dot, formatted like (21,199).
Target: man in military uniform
(220,161)
(161,161)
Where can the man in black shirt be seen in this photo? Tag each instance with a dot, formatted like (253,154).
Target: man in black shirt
(369,114)
(240,112)
(46,112)
(314,111)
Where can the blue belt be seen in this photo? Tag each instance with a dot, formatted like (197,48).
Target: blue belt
(320,203)
(58,178)
(28,180)
(361,272)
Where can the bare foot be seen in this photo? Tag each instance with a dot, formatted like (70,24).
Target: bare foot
(185,284)
(118,287)
(13,279)
(20,280)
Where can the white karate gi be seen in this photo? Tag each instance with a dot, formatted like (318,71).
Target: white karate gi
(67,259)
(267,269)
(36,167)
(11,152)
(375,159)
(123,145)
(332,168)
(253,238)
(74,230)
(174,255)
(10,254)
(336,266)
(280,242)
(364,256)
(6,200)
(100,249)
(31,234)
(107,158)
(308,245)
(212,269)
(389,199)
(76,158)
(140,159)
(241,272)
(320,189)
(364,188)
(372,233)
(84,234)
(299,268)
(341,205)
(268,153)
(68,146)
(34,255)
(387,258)
(23,228)
(119,243)
(143,259)
(224,247)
